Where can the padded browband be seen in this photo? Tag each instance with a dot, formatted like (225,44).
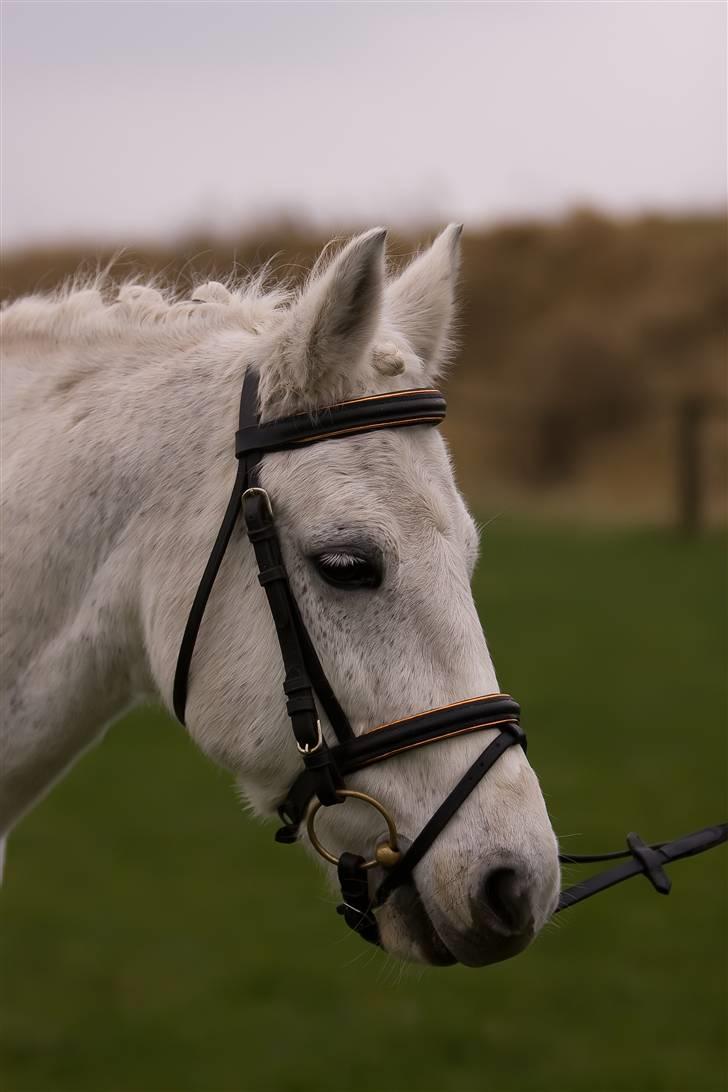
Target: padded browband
(396,410)
(473,715)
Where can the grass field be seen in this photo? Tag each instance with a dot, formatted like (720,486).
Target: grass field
(154,938)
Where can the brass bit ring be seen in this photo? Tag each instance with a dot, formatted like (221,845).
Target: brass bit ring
(387,854)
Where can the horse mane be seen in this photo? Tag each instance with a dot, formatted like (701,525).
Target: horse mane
(94,308)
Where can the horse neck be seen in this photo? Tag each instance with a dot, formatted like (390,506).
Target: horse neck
(117,466)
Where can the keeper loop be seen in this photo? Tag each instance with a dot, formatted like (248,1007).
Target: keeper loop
(651,862)
(275,572)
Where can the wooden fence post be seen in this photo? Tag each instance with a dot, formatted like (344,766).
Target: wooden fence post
(690,508)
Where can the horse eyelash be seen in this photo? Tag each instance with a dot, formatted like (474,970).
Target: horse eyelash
(340,561)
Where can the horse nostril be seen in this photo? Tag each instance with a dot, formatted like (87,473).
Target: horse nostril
(505,893)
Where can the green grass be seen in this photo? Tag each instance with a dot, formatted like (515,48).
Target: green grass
(154,938)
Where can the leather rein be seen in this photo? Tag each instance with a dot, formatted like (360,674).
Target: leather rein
(322,780)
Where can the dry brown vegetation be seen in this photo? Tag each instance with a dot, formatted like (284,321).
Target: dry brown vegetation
(580,340)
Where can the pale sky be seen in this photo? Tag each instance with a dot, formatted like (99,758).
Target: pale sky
(126,120)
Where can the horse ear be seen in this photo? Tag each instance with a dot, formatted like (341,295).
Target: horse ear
(420,303)
(334,321)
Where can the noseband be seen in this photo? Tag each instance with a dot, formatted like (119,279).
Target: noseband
(321,782)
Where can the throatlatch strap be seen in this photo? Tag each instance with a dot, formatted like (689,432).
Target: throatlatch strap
(194,619)
(247,415)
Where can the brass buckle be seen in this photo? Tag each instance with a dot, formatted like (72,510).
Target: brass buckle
(387,854)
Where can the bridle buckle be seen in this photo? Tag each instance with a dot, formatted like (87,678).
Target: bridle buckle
(306,748)
(256,491)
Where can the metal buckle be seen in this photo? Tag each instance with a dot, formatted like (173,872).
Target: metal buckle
(306,748)
(386,854)
(255,490)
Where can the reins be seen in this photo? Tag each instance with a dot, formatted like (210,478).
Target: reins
(647,860)
(321,782)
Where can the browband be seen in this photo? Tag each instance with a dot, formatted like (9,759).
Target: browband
(424,406)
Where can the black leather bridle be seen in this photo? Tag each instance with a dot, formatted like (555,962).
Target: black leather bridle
(322,781)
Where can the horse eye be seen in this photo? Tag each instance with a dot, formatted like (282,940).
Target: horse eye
(345,570)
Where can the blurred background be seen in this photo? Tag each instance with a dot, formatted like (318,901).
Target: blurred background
(152,936)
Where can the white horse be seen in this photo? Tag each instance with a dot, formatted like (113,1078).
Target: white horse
(116,468)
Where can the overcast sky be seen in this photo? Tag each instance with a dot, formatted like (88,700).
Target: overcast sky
(123,120)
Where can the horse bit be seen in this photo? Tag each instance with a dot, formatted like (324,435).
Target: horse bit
(322,782)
